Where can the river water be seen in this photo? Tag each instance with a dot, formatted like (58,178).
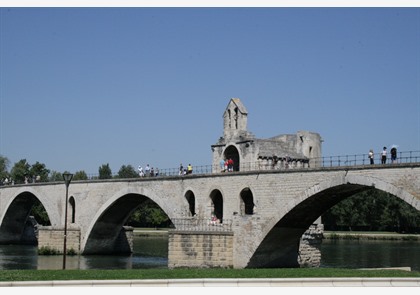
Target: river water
(152,252)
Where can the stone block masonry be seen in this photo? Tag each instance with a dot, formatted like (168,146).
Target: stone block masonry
(309,248)
(200,249)
(53,238)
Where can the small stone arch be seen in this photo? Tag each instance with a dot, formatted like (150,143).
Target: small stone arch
(189,195)
(231,152)
(246,202)
(72,203)
(217,204)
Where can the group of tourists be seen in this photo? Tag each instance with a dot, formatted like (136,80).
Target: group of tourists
(384,155)
(185,171)
(226,165)
(148,171)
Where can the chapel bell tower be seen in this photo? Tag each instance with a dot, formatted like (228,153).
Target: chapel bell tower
(235,119)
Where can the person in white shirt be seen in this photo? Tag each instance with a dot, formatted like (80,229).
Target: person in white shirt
(383,158)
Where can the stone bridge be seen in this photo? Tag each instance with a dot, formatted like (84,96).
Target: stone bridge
(263,214)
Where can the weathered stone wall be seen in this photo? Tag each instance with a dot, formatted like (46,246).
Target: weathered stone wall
(200,249)
(309,249)
(53,238)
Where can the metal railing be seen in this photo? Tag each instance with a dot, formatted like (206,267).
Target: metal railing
(282,164)
(363,159)
(329,161)
(201,224)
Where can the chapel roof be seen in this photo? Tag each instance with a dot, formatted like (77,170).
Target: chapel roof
(238,104)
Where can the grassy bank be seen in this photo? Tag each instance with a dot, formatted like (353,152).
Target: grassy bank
(138,274)
(346,235)
(150,232)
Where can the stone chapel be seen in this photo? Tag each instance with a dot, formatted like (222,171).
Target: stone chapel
(300,150)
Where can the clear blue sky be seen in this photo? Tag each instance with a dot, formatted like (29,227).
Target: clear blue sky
(82,87)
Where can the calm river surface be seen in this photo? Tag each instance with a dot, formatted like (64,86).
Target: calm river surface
(152,252)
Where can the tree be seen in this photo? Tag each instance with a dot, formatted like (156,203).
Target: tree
(20,170)
(149,214)
(4,165)
(55,176)
(372,210)
(40,214)
(127,172)
(105,172)
(39,172)
(80,175)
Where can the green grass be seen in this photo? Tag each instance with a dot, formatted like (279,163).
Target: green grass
(138,274)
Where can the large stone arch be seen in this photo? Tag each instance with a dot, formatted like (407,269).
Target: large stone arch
(15,227)
(45,199)
(279,246)
(100,238)
(107,230)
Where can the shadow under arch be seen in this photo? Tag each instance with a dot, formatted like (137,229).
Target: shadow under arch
(107,236)
(16,227)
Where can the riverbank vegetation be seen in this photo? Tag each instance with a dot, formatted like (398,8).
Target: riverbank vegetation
(384,236)
(153,274)
(372,211)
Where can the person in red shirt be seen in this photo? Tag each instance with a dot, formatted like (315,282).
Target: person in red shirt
(230,165)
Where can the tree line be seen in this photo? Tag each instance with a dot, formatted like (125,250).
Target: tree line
(22,172)
(371,210)
(148,215)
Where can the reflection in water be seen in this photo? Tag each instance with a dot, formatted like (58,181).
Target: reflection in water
(18,257)
(370,254)
(149,252)
(152,252)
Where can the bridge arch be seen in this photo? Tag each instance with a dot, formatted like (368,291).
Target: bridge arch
(105,228)
(330,192)
(53,214)
(13,227)
(285,231)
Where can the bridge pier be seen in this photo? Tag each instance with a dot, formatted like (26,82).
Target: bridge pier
(52,238)
(205,249)
(309,249)
(196,244)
